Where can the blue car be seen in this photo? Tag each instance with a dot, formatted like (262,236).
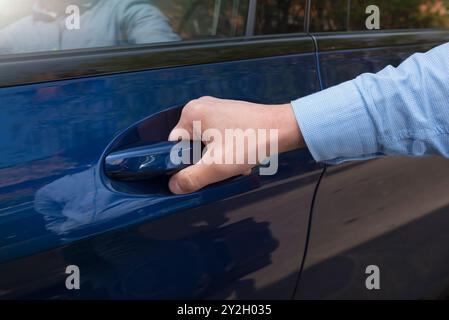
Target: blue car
(84,83)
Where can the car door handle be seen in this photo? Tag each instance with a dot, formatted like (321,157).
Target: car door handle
(148,161)
(141,154)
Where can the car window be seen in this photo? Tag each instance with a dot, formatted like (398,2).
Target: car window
(360,15)
(203,19)
(50,25)
(280,16)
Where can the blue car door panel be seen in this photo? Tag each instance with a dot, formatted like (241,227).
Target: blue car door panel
(242,238)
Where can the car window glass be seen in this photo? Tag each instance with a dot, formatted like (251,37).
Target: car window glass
(280,16)
(357,15)
(50,25)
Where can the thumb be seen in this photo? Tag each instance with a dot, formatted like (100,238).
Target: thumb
(191,179)
(199,175)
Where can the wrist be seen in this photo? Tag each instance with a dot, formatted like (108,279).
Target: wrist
(289,133)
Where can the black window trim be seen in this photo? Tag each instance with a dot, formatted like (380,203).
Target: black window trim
(22,69)
(343,40)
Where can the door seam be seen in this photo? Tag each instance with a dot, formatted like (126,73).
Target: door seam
(317,186)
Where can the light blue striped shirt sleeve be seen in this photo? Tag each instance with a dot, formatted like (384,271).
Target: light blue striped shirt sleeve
(398,111)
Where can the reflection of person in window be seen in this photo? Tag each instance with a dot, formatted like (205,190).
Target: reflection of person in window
(102,23)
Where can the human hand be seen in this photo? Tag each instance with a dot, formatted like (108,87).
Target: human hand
(216,116)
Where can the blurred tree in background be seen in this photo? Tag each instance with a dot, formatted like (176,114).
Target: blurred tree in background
(346,15)
(278,17)
(199,19)
(402,14)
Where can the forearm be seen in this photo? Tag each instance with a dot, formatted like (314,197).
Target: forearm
(399,111)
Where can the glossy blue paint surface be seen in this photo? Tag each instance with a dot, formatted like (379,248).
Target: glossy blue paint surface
(391,213)
(57,207)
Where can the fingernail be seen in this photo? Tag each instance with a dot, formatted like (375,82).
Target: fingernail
(174,187)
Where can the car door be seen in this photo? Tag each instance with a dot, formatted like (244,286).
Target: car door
(385,218)
(67,230)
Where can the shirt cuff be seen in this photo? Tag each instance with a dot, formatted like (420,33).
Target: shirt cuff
(336,124)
